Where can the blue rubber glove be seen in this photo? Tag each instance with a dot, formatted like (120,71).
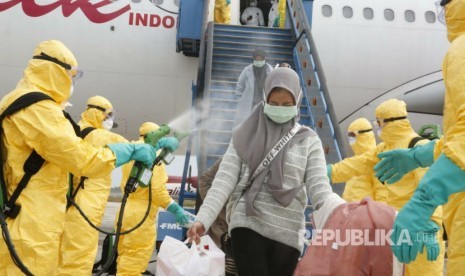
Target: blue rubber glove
(228,2)
(395,164)
(169,143)
(178,212)
(126,152)
(442,179)
(413,230)
(329,171)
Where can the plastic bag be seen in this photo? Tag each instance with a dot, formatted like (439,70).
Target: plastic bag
(176,259)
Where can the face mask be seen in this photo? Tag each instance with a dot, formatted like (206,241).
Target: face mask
(379,131)
(259,63)
(253,4)
(352,140)
(280,114)
(71,90)
(108,124)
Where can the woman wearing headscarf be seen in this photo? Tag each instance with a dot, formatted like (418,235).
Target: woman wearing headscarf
(266,210)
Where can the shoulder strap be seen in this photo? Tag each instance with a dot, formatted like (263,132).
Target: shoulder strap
(275,150)
(86,131)
(415,140)
(82,133)
(76,127)
(23,102)
(33,163)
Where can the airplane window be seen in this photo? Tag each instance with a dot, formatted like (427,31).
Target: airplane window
(327,10)
(430,17)
(347,12)
(409,16)
(368,13)
(389,14)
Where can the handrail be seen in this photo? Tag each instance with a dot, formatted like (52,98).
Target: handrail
(205,104)
(304,89)
(301,26)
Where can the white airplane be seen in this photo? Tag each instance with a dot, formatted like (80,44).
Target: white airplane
(127,49)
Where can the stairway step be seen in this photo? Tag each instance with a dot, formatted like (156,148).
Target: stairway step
(252,29)
(253,40)
(225,78)
(247,53)
(252,46)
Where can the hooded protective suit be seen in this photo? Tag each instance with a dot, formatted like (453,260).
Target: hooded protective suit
(222,12)
(395,134)
(360,186)
(36,231)
(136,248)
(273,15)
(79,241)
(252,15)
(453,142)
(248,82)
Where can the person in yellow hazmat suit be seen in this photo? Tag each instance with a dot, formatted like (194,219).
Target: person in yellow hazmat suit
(136,247)
(42,127)
(444,182)
(79,241)
(361,140)
(395,131)
(222,12)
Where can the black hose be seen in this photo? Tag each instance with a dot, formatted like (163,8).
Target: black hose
(86,218)
(14,255)
(118,232)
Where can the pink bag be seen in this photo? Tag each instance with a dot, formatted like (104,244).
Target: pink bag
(331,258)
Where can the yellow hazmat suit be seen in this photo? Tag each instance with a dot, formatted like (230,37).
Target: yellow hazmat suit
(37,230)
(79,241)
(136,248)
(362,139)
(222,12)
(396,133)
(453,147)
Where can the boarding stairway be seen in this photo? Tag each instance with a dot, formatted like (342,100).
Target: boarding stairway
(231,51)
(226,50)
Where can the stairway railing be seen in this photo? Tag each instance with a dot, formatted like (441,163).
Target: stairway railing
(311,70)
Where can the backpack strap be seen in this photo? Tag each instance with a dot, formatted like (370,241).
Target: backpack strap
(415,140)
(76,127)
(33,163)
(86,132)
(72,194)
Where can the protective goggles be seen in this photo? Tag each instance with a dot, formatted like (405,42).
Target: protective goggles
(357,132)
(74,72)
(109,115)
(440,10)
(381,122)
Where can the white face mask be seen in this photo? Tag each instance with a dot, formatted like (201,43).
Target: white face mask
(108,124)
(259,63)
(253,4)
(379,131)
(280,114)
(71,90)
(352,140)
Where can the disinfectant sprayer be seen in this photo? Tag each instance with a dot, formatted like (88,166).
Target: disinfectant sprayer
(141,176)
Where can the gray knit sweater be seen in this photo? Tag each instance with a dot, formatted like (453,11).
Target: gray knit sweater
(304,161)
